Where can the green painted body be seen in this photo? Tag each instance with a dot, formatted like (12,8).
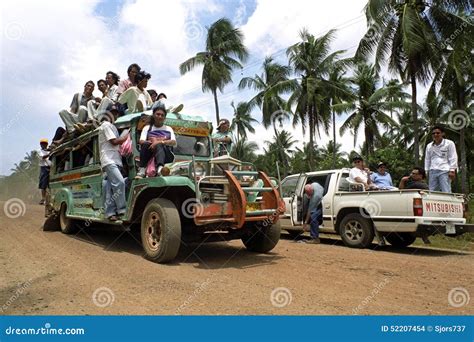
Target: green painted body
(81,188)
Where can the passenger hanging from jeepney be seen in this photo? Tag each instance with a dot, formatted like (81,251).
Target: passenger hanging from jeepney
(222,138)
(111,164)
(153,95)
(156,140)
(360,174)
(78,109)
(44,164)
(132,71)
(136,97)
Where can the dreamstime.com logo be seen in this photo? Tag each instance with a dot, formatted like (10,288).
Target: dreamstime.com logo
(458,297)
(103,297)
(458,119)
(14,208)
(190,207)
(370,208)
(281,297)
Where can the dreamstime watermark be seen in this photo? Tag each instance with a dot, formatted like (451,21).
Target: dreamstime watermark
(458,119)
(13,31)
(378,287)
(279,116)
(281,297)
(447,42)
(372,33)
(458,297)
(191,207)
(370,207)
(197,291)
(103,297)
(14,208)
(18,292)
(193,30)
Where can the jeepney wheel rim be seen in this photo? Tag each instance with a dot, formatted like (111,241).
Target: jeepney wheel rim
(353,230)
(153,231)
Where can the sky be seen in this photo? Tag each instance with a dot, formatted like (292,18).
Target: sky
(49,49)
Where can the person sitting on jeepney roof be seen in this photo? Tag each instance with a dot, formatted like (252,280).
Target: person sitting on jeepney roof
(111,163)
(360,174)
(112,80)
(132,71)
(78,110)
(222,138)
(382,178)
(136,97)
(416,180)
(153,95)
(156,141)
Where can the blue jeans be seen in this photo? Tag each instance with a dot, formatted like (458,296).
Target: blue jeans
(314,223)
(114,191)
(439,180)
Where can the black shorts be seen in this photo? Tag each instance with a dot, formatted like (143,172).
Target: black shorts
(44,178)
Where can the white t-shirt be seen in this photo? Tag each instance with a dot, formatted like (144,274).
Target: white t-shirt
(45,161)
(356,172)
(158,132)
(109,153)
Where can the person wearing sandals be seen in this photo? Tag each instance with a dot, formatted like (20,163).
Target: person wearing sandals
(44,164)
(156,141)
(111,163)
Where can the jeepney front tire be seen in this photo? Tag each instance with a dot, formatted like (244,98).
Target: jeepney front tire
(356,231)
(260,238)
(66,224)
(161,230)
(400,240)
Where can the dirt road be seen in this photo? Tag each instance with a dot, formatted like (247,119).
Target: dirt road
(102,271)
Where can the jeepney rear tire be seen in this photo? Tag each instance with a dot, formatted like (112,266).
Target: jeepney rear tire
(51,223)
(400,240)
(161,230)
(294,234)
(66,224)
(260,238)
(356,231)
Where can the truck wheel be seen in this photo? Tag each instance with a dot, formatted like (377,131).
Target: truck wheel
(400,239)
(356,231)
(161,230)
(294,234)
(67,225)
(262,239)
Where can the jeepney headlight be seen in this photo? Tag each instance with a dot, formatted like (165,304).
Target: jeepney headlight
(199,171)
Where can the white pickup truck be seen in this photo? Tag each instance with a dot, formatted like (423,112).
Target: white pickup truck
(399,216)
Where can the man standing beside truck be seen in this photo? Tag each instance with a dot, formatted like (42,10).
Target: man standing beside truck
(314,195)
(441,161)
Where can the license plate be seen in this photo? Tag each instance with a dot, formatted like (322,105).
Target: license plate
(450,229)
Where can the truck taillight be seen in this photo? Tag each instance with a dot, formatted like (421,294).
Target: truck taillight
(417,207)
(465,209)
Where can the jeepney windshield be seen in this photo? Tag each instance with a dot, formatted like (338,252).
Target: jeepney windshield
(189,145)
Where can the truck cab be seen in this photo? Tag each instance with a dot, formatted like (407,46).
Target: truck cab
(203,198)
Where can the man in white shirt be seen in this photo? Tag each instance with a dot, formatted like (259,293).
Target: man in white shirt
(44,164)
(156,140)
(359,174)
(111,163)
(441,161)
(136,97)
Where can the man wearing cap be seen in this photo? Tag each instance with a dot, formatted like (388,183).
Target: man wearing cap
(222,138)
(156,140)
(359,174)
(313,195)
(382,178)
(44,164)
(111,163)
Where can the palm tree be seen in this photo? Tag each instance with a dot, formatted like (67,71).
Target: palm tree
(269,88)
(395,93)
(244,150)
(369,108)
(281,147)
(224,52)
(311,58)
(242,121)
(409,33)
(325,156)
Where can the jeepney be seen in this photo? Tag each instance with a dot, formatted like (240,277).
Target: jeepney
(203,199)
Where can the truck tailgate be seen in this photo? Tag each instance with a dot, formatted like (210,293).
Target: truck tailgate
(442,205)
